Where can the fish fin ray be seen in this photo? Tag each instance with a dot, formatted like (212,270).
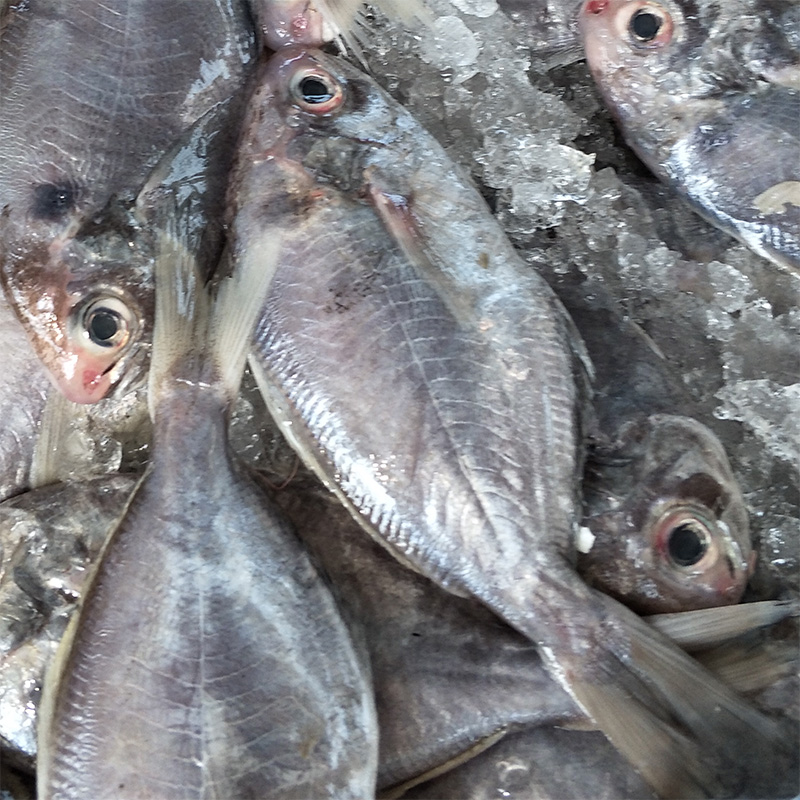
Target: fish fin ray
(692,630)
(239,305)
(640,681)
(182,305)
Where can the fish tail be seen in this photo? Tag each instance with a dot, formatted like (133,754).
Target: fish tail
(685,732)
(239,305)
(183,306)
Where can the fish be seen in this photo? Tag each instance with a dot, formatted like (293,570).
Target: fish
(700,89)
(315,22)
(209,657)
(665,526)
(436,385)
(663,497)
(96,99)
(547,27)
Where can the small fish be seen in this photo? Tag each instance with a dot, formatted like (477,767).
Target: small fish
(665,524)
(669,524)
(437,386)
(209,658)
(708,95)
(95,98)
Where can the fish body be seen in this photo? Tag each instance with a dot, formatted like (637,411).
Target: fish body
(209,658)
(436,386)
(701,89)
(95,97)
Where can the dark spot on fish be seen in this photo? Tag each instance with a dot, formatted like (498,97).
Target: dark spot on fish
(687,544)
(704,488)
(103,326)
(645,25)
(53,201)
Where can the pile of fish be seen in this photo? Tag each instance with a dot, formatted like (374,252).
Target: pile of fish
(357,408)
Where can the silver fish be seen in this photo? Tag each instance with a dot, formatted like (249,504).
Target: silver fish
(209,658)
(433,383)
(665,527)
(95,97)
(708,95)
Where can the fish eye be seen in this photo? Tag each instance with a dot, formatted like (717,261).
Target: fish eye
(316,91)
(53,201)
(686,538)
(687,544)
(107,324)
(650,26)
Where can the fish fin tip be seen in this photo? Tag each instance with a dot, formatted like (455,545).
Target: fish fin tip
(239,305)
(705,736)
(182,304)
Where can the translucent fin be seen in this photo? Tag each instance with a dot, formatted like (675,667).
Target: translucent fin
(182,309)
(239,304)
(698,630)
(680,727)
(751,668)
(49,454)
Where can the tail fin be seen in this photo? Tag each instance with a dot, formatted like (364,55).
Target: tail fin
(212,337)
(683,730)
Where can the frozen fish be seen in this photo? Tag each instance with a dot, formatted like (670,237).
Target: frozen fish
(665,527)
(209,658)
(450,678)
(669,527)
(435,385)
(96,98)
(708,95)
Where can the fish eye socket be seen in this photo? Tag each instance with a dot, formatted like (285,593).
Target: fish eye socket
(52,201)
(650,26)
(316,91)
(645,25)
(687,543)
(107,323)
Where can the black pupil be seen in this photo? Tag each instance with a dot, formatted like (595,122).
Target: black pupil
(315,91)
(645,25)
(52,202)
(103,326)
(686,545)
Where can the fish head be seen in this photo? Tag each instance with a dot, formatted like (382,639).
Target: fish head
(638,52)
(313,113)
(670,526)
(79,284)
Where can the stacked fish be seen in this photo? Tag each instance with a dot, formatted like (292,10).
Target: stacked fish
(176,204)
